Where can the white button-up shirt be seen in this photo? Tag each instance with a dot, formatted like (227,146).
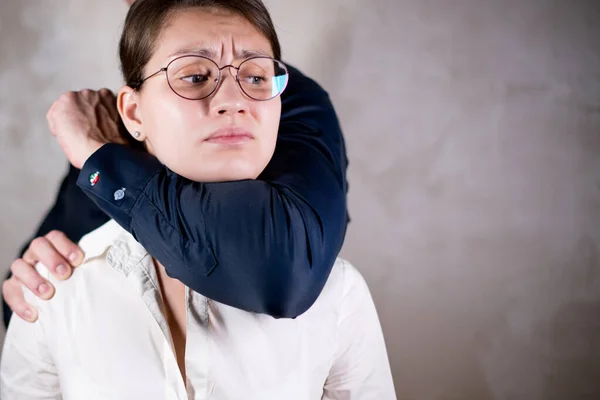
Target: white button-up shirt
(104,335)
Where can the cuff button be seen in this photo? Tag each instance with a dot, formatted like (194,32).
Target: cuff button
(120,194)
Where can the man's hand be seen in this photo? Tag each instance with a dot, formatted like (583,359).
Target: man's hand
(58,254)
(84,121)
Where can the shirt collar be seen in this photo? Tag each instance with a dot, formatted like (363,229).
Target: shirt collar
(122,251)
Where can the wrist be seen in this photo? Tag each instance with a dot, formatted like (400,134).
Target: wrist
(92,148)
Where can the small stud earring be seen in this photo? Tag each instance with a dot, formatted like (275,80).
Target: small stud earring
(136,134)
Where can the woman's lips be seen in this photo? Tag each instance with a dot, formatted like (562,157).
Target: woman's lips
(230,139)
(230,136)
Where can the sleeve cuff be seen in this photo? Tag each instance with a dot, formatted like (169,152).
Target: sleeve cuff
(117,175)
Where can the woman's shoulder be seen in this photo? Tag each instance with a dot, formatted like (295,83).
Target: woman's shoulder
(345,282)
(98,241)
(93,245)
(347,277)
(102,247)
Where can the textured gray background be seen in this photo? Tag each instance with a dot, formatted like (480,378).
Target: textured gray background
(473,130)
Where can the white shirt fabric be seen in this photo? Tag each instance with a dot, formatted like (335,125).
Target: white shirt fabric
(104,335)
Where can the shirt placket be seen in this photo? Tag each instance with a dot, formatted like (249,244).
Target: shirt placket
(141,273)
(197,348)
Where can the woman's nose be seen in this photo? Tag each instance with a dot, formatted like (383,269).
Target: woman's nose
(228,98)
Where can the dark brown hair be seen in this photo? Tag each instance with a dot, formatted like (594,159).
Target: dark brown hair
(146,19)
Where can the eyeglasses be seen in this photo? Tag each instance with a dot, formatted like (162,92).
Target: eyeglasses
(196,77)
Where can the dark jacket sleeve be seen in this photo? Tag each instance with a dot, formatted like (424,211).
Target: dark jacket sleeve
(264,245)
(73,213)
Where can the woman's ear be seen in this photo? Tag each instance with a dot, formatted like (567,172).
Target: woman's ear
(127,104)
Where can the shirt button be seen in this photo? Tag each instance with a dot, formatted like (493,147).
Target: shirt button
(119,194)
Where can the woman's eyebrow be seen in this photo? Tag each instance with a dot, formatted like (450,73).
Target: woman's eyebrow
(243,54)
(212,54)
(204,52)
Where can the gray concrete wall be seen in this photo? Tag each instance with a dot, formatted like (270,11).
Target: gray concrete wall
(473,131)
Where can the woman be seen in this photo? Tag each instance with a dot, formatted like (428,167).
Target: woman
(291,237)
(207,71)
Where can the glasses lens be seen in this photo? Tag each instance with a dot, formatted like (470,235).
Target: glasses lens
(263,78)
(193,77)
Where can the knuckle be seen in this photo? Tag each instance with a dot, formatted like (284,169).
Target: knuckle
(19,269)
(13,267)
(10,291)
(6,287)
(68,97)
(29,257)
(54,236)
(37,242)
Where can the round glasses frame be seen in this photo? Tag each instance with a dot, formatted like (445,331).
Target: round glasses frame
(137,85)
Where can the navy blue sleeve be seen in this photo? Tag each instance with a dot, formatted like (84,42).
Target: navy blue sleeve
(264,245)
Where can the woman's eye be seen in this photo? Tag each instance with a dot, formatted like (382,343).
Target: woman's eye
(195,79)
(255,80)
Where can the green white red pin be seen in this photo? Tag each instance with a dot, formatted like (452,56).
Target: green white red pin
(94,178)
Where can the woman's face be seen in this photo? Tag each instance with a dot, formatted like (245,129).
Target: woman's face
(225,137)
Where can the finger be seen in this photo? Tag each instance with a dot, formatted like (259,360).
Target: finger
(110,130)
(15,299)
(86,93)
(28,276)
(50,257)
(107,94)
(66,247)
(109,101)
(30,257)
(50,120)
